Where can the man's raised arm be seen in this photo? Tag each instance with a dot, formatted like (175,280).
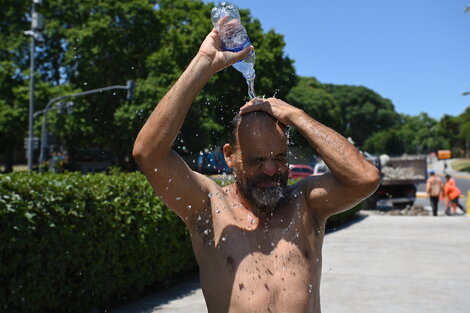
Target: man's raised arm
(351,178)
(178,186)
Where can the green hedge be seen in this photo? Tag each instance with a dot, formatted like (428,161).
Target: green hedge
(71,241)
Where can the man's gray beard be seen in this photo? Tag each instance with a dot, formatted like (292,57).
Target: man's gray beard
(262,197)
(267,197)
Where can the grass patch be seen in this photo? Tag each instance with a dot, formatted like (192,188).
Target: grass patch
(461,165)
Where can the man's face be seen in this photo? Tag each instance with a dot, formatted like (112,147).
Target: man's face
(260,165)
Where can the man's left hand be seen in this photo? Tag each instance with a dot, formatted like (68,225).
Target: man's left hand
(280,110)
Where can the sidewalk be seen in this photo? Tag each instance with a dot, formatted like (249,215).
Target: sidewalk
(438,167)
(381,264)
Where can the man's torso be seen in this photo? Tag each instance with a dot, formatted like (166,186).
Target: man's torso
(254,265)
(435,186)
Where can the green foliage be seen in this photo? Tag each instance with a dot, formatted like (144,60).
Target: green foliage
(93,44)
(70,241)
(317,102)
(187,23)
(364,111)
(309,96)
(414,135)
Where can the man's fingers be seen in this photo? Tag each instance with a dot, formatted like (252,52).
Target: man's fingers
(240,55)
(256,104)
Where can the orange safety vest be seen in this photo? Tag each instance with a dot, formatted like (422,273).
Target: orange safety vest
(451,191)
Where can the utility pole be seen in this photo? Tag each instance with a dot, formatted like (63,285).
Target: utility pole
(37,26)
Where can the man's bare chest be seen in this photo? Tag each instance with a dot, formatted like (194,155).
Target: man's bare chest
(228,236)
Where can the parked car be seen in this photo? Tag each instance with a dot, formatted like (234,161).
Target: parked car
(212,163)
(300,171)
(320,168)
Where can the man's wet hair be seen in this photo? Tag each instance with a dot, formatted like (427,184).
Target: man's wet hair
(236,121)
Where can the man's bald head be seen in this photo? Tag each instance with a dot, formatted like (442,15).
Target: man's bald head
(252,119)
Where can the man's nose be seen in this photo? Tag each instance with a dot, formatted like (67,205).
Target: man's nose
(270,168)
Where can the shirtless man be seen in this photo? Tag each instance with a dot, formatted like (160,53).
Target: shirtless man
(257,241)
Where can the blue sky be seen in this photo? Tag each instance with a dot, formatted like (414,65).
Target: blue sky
(413,52)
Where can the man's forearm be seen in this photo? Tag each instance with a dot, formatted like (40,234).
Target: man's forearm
(159,132)
(342,158)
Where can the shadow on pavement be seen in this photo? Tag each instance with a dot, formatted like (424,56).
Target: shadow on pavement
(152,302)
(356,219)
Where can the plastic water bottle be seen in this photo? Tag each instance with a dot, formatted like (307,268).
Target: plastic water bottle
(226,20)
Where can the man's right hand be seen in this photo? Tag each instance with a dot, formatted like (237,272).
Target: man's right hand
(211,49)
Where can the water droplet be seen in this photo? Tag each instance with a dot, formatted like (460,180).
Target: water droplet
(210,194)
(178,198)
(330,270)
(318,260)
(252,221)
(272,244)
(217,210)
(310,288)
(223,238)
(189,208)
(199,218)
(207,231)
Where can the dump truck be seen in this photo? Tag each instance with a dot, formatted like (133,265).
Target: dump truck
(399,177)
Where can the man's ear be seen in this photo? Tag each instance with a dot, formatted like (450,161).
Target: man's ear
(229,155)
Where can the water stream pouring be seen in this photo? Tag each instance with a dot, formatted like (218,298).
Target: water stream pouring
(226,19)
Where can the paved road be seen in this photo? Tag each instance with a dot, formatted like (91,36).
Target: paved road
(380,264)
(398,264)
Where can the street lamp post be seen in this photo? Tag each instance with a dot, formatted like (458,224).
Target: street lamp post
(37,26)
(42,155)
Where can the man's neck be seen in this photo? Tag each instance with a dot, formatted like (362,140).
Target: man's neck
(261,214)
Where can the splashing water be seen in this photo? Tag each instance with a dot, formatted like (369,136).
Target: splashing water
(251,88)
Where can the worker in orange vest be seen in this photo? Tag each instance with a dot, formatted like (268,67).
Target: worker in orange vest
(452,193)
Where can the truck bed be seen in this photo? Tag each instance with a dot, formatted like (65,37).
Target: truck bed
(400,170)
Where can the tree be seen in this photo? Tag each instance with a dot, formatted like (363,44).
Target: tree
(186,24)
(413,135)
(364,111)
(464,136)
(309,96)
(98,43)
(385,142)
(14,62)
